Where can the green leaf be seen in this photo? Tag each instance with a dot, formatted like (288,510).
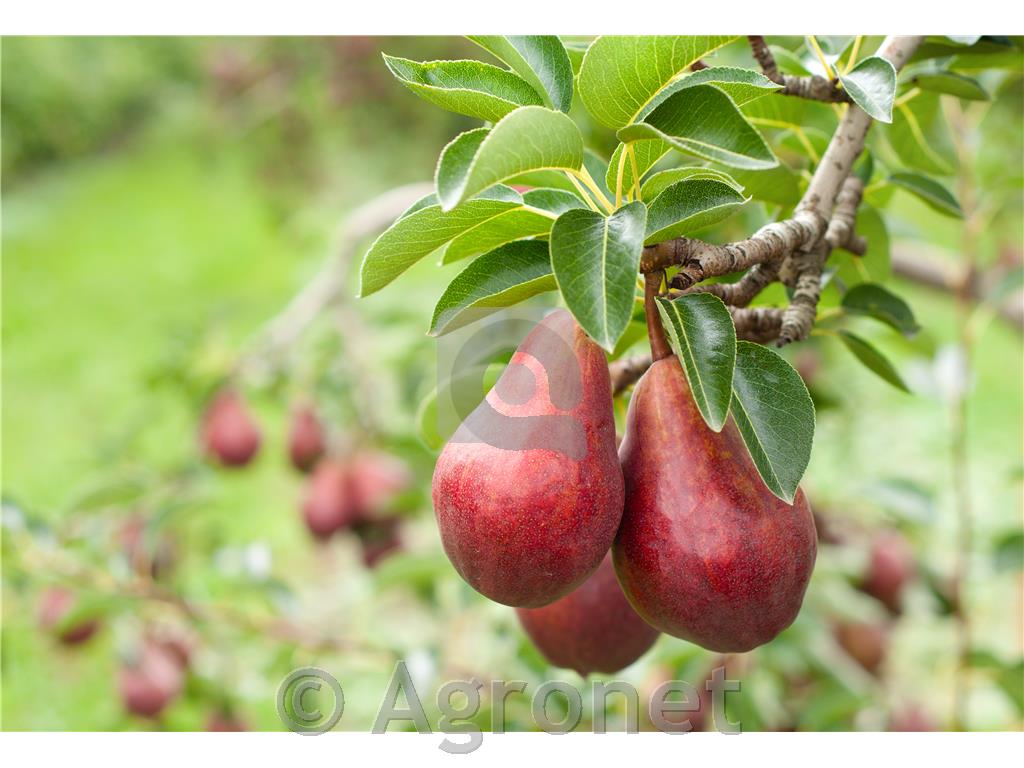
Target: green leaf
(873,359)
(775,416)
(936,196)
(541,60)
(788,61)
(425,201)
(919,136)
(703,121)
(555,201)
(662,180)
(873,300)
(952,83)
(704,338)
(515,224)
(505,276)
(420,233)
(526,139)
(540,209)
(872,86)
(742,86)
(595,260)
(689,205)
(647,154)
(621,74)
(466,87)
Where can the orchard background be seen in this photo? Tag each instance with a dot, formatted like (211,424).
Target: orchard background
(166,199)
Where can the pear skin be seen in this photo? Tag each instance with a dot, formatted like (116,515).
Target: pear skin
(528,492)
(705,551)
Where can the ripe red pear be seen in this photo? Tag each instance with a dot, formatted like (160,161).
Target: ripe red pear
(528,492)
(327,506)
(864,642)
(890,567)
(705,551)
(229,433)
(306,442)
(55,616)
(592,629)
(376,478)
(152,681)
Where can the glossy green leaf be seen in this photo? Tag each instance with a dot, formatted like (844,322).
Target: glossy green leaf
(775,417)
(526,139)
(788,62)
(595,260)
(919,135)
(424,202)
(951,83)
(689,205)
(872,86)
(466,87)
(873,300)
(704,338)
(936,196)
(620,75)
(703,121)
(662,180)
(873,359)
(647,153)
(554,201)
(505,276)
(420,233)
(742,86)
(540,209)
(515,224)
(541,60)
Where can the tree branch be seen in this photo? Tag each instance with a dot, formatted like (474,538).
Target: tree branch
(626,371)
(812,87)
(796,249)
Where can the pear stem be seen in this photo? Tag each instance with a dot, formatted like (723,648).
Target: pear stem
(660,347)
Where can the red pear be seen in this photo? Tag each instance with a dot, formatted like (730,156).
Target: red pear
(229,434)
(705,551)
(152,681)
(56,611)
(306,441)
(328,503)
(376,478)
(864,642)
(592,629)
(890,568)
(528,492)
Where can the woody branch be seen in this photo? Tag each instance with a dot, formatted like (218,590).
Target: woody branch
(793,251)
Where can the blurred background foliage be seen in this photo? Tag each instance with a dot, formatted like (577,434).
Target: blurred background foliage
(164,197)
